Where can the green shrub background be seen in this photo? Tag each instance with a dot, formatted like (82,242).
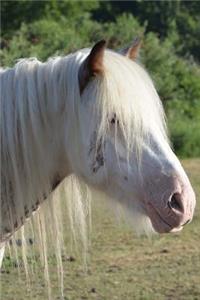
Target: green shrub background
(170,51)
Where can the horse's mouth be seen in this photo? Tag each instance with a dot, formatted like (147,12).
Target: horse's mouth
(165,227)
(159,224)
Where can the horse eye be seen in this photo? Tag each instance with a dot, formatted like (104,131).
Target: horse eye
(114,119)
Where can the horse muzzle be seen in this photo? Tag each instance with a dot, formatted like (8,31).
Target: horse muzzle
(175,210)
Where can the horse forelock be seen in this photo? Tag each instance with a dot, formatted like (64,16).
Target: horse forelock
(125,90)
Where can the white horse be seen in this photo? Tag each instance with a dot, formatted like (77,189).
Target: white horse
(95,114)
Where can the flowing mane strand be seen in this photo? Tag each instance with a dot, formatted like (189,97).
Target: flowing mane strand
(32,92)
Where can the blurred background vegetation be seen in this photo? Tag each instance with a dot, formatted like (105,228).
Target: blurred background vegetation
(170,51)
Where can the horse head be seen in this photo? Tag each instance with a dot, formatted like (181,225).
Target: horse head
(125,151)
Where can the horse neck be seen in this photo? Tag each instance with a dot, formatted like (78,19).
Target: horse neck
(47,95)
(37,141)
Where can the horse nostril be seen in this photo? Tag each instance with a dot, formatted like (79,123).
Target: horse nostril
(175,202)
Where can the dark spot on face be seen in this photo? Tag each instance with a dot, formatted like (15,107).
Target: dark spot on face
(92,142)
(26,211)
(7,230)
(99,159)
(57,180)
(16,224)
(97,152)
(125,178)
(34,207)
(30,240)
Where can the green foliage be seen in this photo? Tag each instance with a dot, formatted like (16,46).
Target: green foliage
(185,136)
(14,13)
(170,31)
(175,78)
(48,37)
(121,32)
(161,17)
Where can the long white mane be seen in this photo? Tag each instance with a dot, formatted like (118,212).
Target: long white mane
(40,114)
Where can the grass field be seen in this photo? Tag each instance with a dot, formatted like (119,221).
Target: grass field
(123,266)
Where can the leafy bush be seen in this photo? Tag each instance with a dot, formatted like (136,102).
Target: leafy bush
(185,137)
(14,13)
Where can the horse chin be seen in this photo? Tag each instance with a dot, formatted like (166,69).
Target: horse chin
(159,224)
(162,227)
(138,219)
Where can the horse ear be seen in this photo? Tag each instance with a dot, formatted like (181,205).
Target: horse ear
(95,58)
(93,64)
(132,51)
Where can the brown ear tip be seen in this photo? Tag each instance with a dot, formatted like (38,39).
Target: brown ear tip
(96,53)
(100,44)
(102,41)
